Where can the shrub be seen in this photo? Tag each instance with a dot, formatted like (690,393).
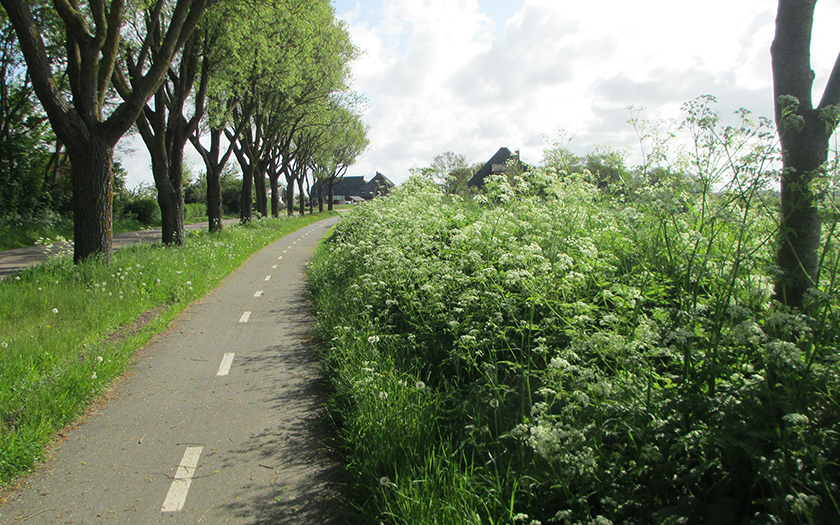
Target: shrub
(143,209)
(585,357)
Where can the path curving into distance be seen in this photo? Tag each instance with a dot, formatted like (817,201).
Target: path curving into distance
(217,421)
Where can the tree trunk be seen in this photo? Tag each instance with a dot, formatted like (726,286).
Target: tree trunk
(171,204)
(330,184)
(290,198)
(302,197)
(309,191)
(261,196)
(801,226)
(93,197)
(214,200)
(171,195)
(273,178)
(804,132)
(246,198)
(290,191)
(213,165)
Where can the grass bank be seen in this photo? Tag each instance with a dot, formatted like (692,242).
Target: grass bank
(69,330)
(556,352)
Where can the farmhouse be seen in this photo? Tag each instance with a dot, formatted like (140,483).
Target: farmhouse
(356,189)
(502,162)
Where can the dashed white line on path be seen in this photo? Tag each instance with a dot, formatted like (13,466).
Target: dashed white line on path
(224,368)
(274,267)
(245,317)
(177,494)
(258,293)
(280,258)
(267,277)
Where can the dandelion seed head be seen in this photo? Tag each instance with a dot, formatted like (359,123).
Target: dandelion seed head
(55,310)
(99,359)
(420,385)
(373,339)
(93,376)
(384,481)
(383,395)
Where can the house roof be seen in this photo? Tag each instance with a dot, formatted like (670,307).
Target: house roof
(496,164)
(349,186)
(357,187)
(379,184)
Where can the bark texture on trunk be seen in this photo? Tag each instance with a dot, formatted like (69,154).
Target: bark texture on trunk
(302,196)
(93,198)
(260,193)
(273,178)
(804,132)
(214,201)
(214,164)
(246,200)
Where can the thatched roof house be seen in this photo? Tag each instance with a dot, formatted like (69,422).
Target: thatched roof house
(501,162)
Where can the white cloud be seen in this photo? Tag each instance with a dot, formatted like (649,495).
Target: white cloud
(441,77)
(471,76)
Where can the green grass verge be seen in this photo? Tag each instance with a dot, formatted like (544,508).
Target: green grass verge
(69,330)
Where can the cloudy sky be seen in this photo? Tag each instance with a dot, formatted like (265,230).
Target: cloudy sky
(471,76)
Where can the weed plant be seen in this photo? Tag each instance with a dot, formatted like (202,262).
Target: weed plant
(68,330)
(552,352)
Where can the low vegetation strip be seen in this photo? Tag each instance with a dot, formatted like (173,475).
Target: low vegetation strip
(69,330)
(557,352)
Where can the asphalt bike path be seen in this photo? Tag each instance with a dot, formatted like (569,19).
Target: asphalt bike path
(216,422)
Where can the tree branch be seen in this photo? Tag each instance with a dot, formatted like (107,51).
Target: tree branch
(184,19)
(38,65)
(110,48)
(831,95)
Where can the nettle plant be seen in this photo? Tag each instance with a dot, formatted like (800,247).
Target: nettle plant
(587,353)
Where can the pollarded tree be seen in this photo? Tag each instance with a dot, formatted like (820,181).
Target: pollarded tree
(804,131)
(92,34)
(217,62)
(163,124)
(346,139)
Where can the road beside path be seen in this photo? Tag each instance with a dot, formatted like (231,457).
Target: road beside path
(17,258)
(218,420)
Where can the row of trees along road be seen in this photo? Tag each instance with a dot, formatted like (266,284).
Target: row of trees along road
(264,81)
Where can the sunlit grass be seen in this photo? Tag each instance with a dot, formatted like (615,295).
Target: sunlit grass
(68,330)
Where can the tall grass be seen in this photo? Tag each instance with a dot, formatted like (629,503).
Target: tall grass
(552,353)
(68,330)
